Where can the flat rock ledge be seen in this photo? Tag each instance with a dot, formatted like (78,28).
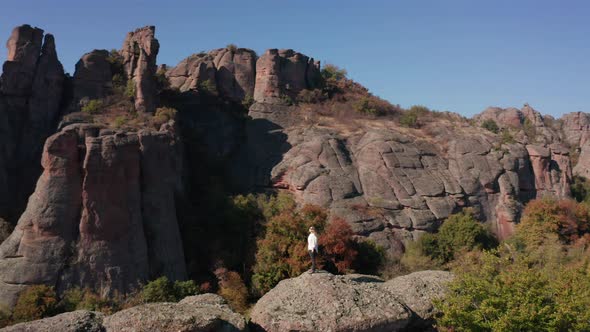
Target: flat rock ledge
(353,303)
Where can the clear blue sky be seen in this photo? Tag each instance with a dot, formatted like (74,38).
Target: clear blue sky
(460,56)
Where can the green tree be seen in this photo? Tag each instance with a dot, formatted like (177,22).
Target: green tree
(490,125)
(459,232)
(35,302)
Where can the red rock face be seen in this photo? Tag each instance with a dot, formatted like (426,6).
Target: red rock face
(284,73)
(231,71)
(139,52)
(30,95)
(96,218)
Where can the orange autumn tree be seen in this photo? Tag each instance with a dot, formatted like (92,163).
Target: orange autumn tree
(569,220)
(282,251)
(338,245)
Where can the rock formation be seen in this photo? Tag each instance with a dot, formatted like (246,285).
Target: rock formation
(75,321)
(281,73)
(92,78)
(31,88)
(139,52)
(325,302)
(201,313)
(207,312)
(231,71)
(95,219)
(392,185)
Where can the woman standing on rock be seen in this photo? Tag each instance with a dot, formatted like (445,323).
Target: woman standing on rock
(312,247)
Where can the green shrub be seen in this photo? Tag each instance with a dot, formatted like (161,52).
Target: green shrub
(130,89)
(163,115)
(118,82)
(207,87)
(286,100)
(162,81)
(409,119)
(459,232)
(333,72)
(186,288)
(162,290)
(159,290)
(370,257)
(498,292)
(365,106)
(581,189)
(93,106)
(490,125)
(120,121)
(232,48)
(311,96)
(247,101)
(35,302)
(115,60)
(507,137)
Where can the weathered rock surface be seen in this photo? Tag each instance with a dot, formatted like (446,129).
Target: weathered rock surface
(31,88)
(231,71)
(325,302)
(284,73)
(93,77)
(207,312)
(417,291)
(139,52)
(75,321)
(392,185)
(200,313)
(94,219)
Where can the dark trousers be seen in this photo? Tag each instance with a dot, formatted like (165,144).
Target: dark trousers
(312,254)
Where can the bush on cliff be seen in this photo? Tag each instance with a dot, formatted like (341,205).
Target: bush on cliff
(93,106)
(232,288)
(35,302)
(491,126)
(459,232)
(567,219)
(163,290)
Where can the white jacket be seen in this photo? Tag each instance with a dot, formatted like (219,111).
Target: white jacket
(312,242)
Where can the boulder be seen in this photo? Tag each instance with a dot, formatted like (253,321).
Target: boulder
(75,321)
(230,70)
(139,52)
(326,302)
(207,312)
(417,291)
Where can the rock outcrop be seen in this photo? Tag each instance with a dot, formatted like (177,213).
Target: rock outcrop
(392,185)
(75,321)
(31,88)
(231,71)
(95,219)
(207,312)
(200,313)
(325,302)
(284,73)
(139,52)
(93,77)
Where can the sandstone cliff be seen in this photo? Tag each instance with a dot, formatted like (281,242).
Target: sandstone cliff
(102,214)
(30,95)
